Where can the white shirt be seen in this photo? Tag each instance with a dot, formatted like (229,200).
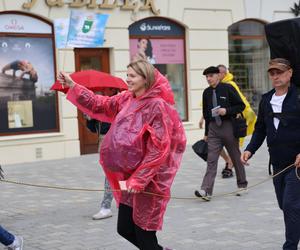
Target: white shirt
(276,103)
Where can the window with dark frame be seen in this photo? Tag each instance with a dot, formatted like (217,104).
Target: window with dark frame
(27,63)
(248,58)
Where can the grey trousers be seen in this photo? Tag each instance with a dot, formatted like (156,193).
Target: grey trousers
(217,138)
(108,195)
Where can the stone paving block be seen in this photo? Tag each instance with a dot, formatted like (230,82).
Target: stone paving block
(52,219)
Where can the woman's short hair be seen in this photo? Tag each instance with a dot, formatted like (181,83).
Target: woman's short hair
(144,69)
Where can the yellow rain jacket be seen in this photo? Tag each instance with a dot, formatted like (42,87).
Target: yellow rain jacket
(248,112)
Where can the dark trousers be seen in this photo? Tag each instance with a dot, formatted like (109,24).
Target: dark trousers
(142,239)
(217,138)
(287,188)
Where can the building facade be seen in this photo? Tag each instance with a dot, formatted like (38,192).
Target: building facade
(186,36)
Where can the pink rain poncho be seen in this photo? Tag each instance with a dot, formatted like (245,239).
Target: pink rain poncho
(144,145)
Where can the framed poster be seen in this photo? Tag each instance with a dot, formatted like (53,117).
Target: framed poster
(162,43)
(27,73)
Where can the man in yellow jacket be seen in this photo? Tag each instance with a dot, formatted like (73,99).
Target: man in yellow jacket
(248,113)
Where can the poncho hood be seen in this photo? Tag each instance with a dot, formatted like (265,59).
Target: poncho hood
(228,77)
(160,88)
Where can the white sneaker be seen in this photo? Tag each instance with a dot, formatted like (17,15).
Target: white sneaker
(241,191)
(203,195)
(17,244)
(103,214)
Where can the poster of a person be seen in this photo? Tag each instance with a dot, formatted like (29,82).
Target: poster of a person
(144,50)
(21,65)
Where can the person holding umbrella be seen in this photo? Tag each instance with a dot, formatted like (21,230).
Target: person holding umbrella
(101,128)
(142,150)
(105,84)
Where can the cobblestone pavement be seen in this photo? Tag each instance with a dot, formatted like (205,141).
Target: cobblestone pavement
(57,219)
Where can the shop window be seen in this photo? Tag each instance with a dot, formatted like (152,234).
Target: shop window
(27,65)
(248,58)
(162,42)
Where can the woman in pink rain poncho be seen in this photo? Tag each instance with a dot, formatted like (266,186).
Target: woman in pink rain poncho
(143,148)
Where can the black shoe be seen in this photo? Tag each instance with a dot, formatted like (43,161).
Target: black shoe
(203,195)
(227,174)
(224,169)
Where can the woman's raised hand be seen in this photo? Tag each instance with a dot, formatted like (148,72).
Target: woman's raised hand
(65,79)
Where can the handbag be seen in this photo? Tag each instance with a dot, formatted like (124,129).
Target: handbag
(239,126)
(200,148)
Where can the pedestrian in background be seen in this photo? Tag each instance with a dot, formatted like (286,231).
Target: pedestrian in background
(12,242)
(227,171)
(248,113)
(101,128)
(221,103)
(279,121)
(142,150)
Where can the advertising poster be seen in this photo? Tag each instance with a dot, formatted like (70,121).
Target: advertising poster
(27,73)
(86,29)
(20,114)
(158,51)
(168,57)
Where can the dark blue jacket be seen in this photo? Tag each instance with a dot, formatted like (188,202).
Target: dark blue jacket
(93,125)
(283,143)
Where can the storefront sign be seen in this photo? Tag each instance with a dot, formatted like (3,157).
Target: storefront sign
(155,27)
(12,23)
(92,4)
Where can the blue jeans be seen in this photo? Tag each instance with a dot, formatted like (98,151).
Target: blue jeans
(6,238)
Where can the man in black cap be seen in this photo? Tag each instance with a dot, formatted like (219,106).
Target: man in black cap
(278,120)
(221,103)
